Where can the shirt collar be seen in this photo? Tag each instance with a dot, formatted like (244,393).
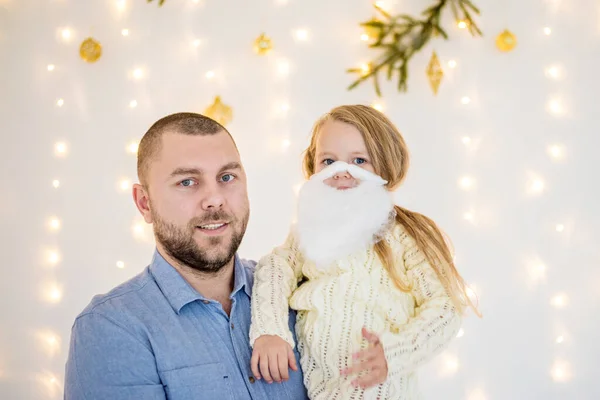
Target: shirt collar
(180,293)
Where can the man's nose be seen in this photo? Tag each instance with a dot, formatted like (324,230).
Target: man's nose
(213,198)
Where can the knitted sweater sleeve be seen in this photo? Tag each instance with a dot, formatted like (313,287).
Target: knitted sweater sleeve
(276,277)
(435,323)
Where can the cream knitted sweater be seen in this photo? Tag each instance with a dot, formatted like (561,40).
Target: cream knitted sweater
(336,302)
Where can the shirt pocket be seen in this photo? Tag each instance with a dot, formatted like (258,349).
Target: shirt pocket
(205,381)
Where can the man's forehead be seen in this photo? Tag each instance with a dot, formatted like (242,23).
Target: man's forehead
(207,152)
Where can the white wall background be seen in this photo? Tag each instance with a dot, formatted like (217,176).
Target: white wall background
(518,247)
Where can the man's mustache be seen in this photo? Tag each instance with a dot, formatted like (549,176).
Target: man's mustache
(213,216)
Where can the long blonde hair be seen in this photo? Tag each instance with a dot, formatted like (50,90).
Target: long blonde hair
(390,159)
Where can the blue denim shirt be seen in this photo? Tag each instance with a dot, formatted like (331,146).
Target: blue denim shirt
(155,337)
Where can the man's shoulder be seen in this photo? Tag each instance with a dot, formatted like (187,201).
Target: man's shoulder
(121,299)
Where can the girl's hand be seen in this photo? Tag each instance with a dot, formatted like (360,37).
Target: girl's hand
(371,360)
(273,355)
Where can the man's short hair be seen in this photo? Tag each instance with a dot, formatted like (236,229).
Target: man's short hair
(183,123)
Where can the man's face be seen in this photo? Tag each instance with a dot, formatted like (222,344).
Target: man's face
(198,199)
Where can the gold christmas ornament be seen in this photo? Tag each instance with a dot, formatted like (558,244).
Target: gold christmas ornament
(90,50)
(434,73)
(220,112)
(263,45)
(506,41)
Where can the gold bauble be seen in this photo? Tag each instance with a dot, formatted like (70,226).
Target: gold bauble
(90,50)
(263,45)
(506,41)
(435,73)
(220,112)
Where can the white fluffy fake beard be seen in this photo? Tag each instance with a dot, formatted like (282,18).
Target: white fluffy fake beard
(332,224)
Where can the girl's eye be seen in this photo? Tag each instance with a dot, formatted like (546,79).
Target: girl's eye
(187,182)
(359,161)
(227,178)
(328,161)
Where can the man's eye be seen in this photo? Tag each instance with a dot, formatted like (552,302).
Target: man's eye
(227,178)
(187,182)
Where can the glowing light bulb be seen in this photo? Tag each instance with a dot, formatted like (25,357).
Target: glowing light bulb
(536,186)
(210,74)
(466,140)
(53,293)
(364,37)
(560,300)
(60,102)
(283,67)
(60,148)
(284,107)
(466,182)
(56,183)
(365,68)
(133,147)
(133,104)
(301,35)
(469,216)
(378,106)
(53,257)
(125,184)
(476,394)
(537,270)
(196,43)
(285,144)
(66,34)
(125,32)
(121,5)
(553,72)
(547,31)
(450,364)
(556,151)
(120,264)
(555,106)
(381,4)
(138,73)
(465,100)
(559,228)
(462,24)
(54,223)
(560,339)
(50,67)
(561,371)
(460,333)
(452,64)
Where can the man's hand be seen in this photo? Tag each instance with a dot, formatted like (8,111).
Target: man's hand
(371,362)
(273,355)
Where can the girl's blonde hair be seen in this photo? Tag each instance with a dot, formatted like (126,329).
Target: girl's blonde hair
(390,159)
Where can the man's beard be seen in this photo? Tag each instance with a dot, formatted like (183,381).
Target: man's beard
(179,242)
(332,223)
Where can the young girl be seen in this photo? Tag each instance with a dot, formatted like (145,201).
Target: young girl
(374,284)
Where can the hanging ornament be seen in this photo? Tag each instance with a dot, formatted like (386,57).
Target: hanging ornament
(434,72)
(506,41)
(90,50)
(263,45)
(220,112)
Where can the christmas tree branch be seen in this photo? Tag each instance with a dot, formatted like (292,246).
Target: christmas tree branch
(400,37)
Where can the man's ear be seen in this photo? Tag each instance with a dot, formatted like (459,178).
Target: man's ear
(141,198)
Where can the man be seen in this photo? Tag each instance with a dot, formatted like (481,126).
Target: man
(179,330)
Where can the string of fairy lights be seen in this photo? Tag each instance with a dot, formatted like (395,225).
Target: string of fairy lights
(52,293)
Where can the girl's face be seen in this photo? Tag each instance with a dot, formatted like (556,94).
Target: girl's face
(339,141)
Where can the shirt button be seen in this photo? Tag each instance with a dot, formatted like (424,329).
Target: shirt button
(206,301)
(232,326)
(251,379)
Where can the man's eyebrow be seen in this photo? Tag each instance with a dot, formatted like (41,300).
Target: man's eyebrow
(186,171)
(230,166)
